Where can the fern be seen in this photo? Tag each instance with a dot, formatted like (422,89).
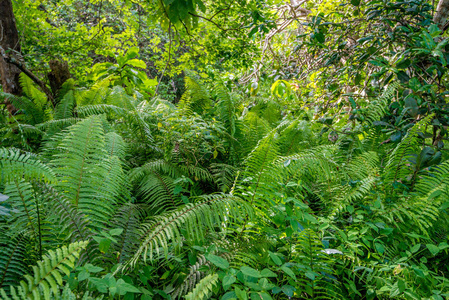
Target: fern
(102,205)
(16,165)
(316,265)
(377,109)
(85,148)
(64,109)
(127,218)
(47,274)
(74,225)
(226,108)
(397,166)
(90,179)
(158,191)
(435,183)
(67,214)
(260,158)
(33,113)
(254,129)
(412,215)
(96,94)
(203,289)
(194,276)
(115,145)
(361,176)
(223,175)
(22,199)
(194,217)
(161,166)
(28,88)
(99,109)
(195,98)
(13,258)
(57,124)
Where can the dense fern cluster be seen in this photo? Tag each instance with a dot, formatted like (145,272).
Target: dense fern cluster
(220,197)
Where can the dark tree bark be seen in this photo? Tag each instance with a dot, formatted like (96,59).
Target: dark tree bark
(9,41)
(59,74)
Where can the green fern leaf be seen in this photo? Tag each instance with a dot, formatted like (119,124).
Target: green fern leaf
(16,165)
(64,109)
(12,258)
(47,274)
(208,212)
(203,289)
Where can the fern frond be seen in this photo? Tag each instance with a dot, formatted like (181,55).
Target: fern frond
(226,108)
(360,176)
(127,218)
(57,125)
(96,94)
(398,165)
(67,214)
(413,215)
(209,211)
(115,145)
(254,129)
(160,166)
(100,205)
(13,258)
(157,191)
(223,175)
(320,160)
(74,225)
(120,98)
(203,289)
(90,179)
(34,113)
(17,165)
(26,131)
(435,182)
(377,109)
(21,197)
(296,137)
(82,150)
(196,172)
(99,109)
(64,109)
(47,274)
(261,156)
(195,99)
(258,167)
(28,88)
(313,260)
(194,276)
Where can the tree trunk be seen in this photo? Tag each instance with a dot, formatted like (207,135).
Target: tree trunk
(9,41)
(59,74)
(441,15)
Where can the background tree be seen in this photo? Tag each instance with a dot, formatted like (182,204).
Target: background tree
(9,42)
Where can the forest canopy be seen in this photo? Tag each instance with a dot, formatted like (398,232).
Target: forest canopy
(248,149)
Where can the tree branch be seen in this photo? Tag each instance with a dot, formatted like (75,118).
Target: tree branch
(21,66)
(216,24)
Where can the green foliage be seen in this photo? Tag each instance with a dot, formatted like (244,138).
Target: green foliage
(195,99)
(15,165)
(203,288)
(331,185)
(47,277)
(196,218)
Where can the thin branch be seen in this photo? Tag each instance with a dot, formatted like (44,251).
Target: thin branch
(217,25)
(21,66)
